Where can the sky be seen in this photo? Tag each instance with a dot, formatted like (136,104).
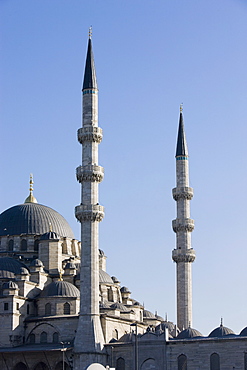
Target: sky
(150,57)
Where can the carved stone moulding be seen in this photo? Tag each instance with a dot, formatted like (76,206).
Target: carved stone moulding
(182,193)
(186,224)
(90,133)
(179,255)
(90,173)
(91,213)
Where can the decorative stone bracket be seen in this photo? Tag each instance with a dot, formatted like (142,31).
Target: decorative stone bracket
(180,255)
(182,193)
(89,133)
(90,212)
(186,224)
(91,173)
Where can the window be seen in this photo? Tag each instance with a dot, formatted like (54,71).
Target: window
(48,309)
(182,362)
(32,338)
(23,245)
(120,365)
(66,308)
(6,306)
(109,295)
(11,245)
(17,305)
(43,337)
(214,361)
(55,338)
(36,245)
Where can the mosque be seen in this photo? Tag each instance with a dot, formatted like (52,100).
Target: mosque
(59,308)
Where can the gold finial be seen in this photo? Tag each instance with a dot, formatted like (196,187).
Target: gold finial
(181,108)
(90,32)
(31,198)
(60,275)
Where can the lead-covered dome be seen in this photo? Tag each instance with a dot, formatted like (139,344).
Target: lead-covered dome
(9,267)
(221,331)
(33,219)
(60,289)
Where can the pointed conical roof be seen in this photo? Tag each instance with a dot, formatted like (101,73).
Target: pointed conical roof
(182,149)
(89,81)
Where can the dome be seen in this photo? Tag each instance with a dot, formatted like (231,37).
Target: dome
(165,324)
(124,289)
(189,333)
(160,318)
(24,271)
(119,306)
(244,332)
(11,265)
(36,263)
(221,331)
(70,265)
(148,315)
(33,219)
(60,288)
(50,235)
(104,277)
(10,285)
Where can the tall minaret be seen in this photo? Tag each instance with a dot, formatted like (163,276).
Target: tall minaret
(89,338)
(183,255)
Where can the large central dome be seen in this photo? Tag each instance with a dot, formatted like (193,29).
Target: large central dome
(33,219)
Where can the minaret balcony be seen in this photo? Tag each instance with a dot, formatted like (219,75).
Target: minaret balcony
(181,255)
(90,173)
(90,133)
(186,224)
(185,193)
(91,212)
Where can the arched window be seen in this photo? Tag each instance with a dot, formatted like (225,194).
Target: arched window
(182,362)
(36,245)
(149,364)
(214,361)
(43,337)
(11,245)
(20,366)
(23,245)
(55,338)
(32,338)
(120,365)
(115,334)
(66,308)
(48,309)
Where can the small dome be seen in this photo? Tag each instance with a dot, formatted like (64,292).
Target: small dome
(165,324)
(160,318)
(49,236)
(244,332)
(11,265)
(10,285)
(148,315)
(36,263)
(119,306)
(104,305)
(136,303)
(24,271)
(101,253)
(126,338)
(124,289)
(70,265)
(104,277)
(115,280)
(189,333)
(60,289)
(221,331)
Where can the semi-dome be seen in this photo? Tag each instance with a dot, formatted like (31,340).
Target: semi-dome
(33,219)
(104,277)
(60,289)
(12,266)
(189,333)
(221,331)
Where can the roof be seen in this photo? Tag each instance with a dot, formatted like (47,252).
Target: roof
(189,333)
(12,266)
(104,277)
(182,149)
(60,289)
(89,81)
(221,331)
(33,219)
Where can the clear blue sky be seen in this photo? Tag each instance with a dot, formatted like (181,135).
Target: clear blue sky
(150,57)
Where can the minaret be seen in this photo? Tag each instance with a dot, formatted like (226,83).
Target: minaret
(183,255)
(89,338)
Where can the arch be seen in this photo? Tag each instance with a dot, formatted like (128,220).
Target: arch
(10,245)
(55,337)
(36,245)
(23,245)
(32,338)
(66,308)
(120,364)
(41,366)
(62,366)
(149,364)
(20,366)
(43,337)
(48,309)
(182,362)
(214,361)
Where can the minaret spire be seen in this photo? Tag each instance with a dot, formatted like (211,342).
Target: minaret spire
(89,340)
(183,225)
